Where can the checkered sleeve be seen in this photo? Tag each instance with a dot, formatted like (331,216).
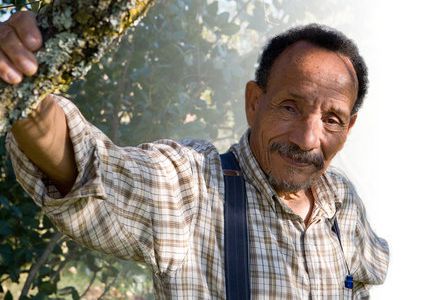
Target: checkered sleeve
(133,202)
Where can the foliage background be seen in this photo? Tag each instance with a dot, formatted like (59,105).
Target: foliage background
(180,73)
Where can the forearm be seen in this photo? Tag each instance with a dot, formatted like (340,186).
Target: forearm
(118,191)
(43,138)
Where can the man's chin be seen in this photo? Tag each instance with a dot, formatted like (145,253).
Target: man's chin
(288,187)
(295,183)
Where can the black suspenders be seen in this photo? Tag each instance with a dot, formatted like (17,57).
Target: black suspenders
(236,252)
(235,231)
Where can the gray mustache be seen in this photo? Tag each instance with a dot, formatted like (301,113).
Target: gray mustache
(295,153)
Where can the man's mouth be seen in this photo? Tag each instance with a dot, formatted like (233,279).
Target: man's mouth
(296,157)
(295,162)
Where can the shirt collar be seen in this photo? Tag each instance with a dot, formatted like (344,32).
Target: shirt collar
(328,192)
(326,189)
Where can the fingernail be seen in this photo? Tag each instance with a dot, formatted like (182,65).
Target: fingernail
(13,78)
(29,67)
(32,42)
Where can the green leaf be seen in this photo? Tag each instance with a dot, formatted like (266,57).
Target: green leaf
(8,296)
(14,274)
(41,296)
(16,212)
(44,271)
(35,6)
(47,288)
(69,290)
(5,229)
(19,4)
(222,19)
(4,201)
(212,8)
(230,28)
(111,271)
(75,295)
(6,255)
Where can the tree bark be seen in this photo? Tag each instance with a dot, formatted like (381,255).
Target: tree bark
(76,33)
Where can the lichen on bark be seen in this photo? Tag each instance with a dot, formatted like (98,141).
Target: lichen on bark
(76,34)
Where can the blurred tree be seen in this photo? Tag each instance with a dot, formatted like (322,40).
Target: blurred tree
(180,73)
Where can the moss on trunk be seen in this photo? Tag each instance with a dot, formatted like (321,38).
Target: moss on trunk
(76,33)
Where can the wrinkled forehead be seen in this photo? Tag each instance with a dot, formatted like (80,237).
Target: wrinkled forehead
(306,60)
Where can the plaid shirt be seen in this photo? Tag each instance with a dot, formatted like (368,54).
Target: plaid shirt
(161,203)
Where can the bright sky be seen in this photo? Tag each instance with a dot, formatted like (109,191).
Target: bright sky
(385,155)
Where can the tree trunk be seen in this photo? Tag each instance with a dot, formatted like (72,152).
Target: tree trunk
(76,33)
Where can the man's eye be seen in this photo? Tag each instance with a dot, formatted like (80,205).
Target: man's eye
(333,121)
(290,108)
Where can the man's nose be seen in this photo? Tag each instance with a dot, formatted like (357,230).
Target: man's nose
(307,134)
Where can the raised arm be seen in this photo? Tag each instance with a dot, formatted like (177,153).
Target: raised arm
(43,137)
(132,202)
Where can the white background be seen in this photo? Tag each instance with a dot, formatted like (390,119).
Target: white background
(386,153)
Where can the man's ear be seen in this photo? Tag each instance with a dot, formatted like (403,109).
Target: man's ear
(352,121)
(253,95)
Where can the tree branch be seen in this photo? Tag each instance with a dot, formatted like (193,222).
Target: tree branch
(76,34)
(62,264)
(91,282)
(108,287)
(8,277)
(39,263)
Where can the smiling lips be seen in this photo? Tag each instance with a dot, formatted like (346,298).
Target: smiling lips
(296,157)
(295,163)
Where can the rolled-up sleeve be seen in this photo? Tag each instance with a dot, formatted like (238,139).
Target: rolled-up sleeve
(133,202)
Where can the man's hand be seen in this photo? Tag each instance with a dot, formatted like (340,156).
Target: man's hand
(19,39)
(43,136)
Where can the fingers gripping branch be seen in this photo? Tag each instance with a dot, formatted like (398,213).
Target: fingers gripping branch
(76,34)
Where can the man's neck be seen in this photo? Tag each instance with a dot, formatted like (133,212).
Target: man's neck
(301,203)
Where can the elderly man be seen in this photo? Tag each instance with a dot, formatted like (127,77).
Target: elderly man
(162,203)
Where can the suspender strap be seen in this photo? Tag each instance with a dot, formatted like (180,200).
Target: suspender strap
(235,231)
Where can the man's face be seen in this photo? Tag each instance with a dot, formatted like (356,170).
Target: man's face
(302,120)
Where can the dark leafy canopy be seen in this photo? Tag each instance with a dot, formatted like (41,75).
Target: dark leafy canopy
(179,73)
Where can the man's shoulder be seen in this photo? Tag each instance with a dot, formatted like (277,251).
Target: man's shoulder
(194,149)
(341,185)
(337,175)
(198,145)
